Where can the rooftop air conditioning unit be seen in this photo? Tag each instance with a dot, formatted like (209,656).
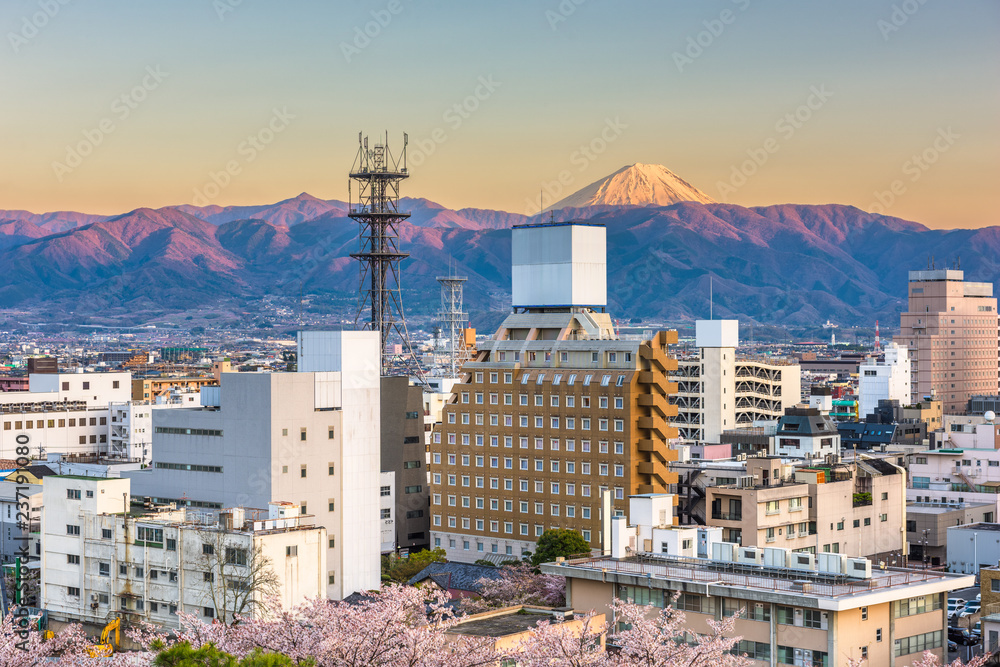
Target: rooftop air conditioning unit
(750,555)
(800,560)
(858,567)
(724,551)
(776,557)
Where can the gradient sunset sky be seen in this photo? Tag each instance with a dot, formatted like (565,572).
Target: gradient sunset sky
(700,87)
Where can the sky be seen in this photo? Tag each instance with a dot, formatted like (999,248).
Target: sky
(890,106)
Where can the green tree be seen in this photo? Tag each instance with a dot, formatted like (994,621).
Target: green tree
(555,543)
(401,569)
(182,655)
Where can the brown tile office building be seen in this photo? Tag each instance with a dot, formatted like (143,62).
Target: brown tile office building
(543,422)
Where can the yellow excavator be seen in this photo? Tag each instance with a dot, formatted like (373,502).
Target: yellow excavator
(106,647)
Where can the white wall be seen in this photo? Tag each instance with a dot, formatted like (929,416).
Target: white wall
(559,265)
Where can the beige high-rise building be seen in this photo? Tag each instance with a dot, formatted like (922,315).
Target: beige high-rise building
(952,334)
(553,411)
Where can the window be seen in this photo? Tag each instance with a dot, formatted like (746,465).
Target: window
(208,612)
(292,550)
(207,549)
(418,488)
(918,643)
(72,559)
(73,591)
(73,494)
(72,530)
(104,569)
(208,576)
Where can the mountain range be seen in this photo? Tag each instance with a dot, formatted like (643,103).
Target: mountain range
(786,264)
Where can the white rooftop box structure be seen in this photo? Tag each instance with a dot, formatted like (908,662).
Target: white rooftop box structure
(559,265)
(717,333)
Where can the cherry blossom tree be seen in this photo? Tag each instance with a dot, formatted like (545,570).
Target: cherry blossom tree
(515,585)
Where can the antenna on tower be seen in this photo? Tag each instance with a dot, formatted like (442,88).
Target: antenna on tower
(377,213)
(878,344)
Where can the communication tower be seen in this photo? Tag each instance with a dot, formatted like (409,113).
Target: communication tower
(380,306)
(453,317)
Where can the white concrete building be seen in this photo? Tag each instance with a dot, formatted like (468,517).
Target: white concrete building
(387,506)
(62,412)
(308,437)
(973,546)
(15,532)
(718,390)
(130,429)
(99,563)
(955,475)
(806,433)
(884,380)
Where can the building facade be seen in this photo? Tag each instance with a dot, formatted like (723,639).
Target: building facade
(950,329)
(888,379)
(67,413)
(311,437)
(99,563)
(718,390)
(827,611)
(856,509)
(404,453)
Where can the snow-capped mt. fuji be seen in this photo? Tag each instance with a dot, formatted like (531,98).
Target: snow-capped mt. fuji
(636,185)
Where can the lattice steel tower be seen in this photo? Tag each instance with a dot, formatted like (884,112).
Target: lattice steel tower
(452,318)
(380,304)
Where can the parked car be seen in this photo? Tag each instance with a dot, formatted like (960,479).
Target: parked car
(962,636)
(971,607)
(955,607)
(952,647)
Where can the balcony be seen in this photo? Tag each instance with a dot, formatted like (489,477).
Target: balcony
(727,516)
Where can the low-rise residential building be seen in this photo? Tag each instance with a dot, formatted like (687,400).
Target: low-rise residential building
(806,433)
(103,558)
(848,508)
(512,627)
(797,609)
(955,475)
(886,379)
(152,388)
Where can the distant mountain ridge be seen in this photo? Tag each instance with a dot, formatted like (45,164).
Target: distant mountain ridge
(784,264)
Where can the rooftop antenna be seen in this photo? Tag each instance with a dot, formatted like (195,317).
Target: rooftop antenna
(711,298)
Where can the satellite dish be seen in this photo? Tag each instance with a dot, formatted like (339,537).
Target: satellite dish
(990,415)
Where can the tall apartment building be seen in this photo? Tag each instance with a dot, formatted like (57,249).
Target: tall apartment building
(310,437)
(888,379)
(553,411)
(67,413)
(951,332)
(718,390)
(100,562)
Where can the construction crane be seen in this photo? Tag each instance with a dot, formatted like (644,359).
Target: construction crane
(106,648)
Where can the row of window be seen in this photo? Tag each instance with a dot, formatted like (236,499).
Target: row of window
(193,467)
(538,401)
(567,488)
(188,431)
(539,422)
(51,423)
(513,355)
(555,465)
(494,547)
(569,444)
(524,507)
